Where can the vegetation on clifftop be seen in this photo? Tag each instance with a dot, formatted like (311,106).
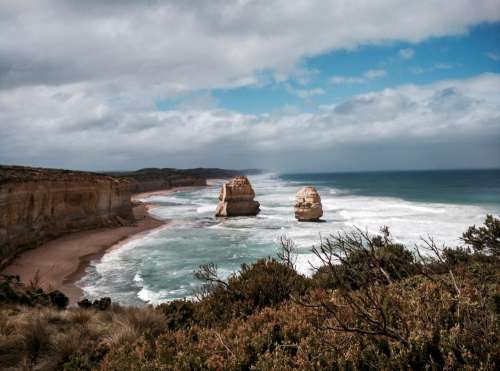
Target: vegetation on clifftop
(373,304)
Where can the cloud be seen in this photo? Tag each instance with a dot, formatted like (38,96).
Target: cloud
(149,49)
(70,127)
(79,80)
(374,74)
(351,80)
(346,80)
(309,93)
(304,93)
(417,70)
(442,66)
(493,56)
(407,53)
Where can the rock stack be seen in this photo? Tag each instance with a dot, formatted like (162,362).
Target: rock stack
(308,205)
(237,199)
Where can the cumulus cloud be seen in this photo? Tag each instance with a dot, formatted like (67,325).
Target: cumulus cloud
(79,80)
(48,125)
(407,53)
(165,48)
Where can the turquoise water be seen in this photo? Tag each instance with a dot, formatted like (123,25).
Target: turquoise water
(159,265)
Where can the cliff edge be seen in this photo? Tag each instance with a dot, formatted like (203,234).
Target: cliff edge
(37,205)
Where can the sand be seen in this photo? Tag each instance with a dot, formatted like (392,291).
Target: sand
(61,262)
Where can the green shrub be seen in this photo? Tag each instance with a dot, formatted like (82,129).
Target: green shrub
(353,260)
(264,283)
(377,310)
(485,239)
(178,313)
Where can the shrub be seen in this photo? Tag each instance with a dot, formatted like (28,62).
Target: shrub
(58,299)
(352,260)
(485,239)
(13,291)
(264,283)
(378,309)
(178,313)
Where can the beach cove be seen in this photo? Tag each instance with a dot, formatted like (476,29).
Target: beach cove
(59,263)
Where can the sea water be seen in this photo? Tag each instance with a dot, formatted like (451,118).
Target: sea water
(158,266)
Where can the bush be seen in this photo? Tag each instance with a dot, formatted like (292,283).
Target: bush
(264,283)
(485,239)
(378,309)
(13,291)
(352,260)
(178,313)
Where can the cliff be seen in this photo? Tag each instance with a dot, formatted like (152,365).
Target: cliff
(37,205)
(154,179)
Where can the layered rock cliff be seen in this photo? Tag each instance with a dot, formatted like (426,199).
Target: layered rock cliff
(237,199)
(40,204)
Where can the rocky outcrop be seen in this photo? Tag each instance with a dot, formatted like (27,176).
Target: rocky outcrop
(37,205)
(308,205)
(237,199)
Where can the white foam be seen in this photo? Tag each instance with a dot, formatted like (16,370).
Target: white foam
(138,278)
(226,242)
(162,296)
(206,209)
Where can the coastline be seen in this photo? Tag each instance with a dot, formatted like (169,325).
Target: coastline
(61,262)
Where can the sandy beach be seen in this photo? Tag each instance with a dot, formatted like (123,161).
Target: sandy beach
(59,263)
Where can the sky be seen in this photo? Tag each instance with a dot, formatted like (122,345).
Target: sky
(289,86)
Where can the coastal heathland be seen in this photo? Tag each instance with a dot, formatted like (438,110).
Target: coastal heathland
(373,304)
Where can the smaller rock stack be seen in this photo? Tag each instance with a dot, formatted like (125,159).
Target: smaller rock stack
(237,199)
(308,205)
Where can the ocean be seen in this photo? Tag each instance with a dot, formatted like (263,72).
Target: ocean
(158,266)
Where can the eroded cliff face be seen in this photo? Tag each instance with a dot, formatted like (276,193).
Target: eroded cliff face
(154,179)
(37,205)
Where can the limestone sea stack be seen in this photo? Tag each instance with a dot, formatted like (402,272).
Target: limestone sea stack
(237,199)
(308,205)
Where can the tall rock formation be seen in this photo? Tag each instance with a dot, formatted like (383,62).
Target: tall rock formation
(308,205)
(237,199)
(37,205)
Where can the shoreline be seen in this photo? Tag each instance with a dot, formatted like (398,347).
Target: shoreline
(61,262)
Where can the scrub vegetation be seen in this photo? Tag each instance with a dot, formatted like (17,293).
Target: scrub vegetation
(373,304)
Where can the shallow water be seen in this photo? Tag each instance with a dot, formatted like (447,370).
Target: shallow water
(159,266)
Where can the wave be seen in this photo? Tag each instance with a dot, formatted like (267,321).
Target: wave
(149,296)
(159,266)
